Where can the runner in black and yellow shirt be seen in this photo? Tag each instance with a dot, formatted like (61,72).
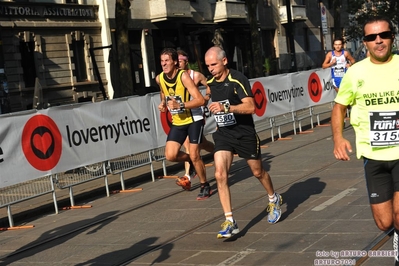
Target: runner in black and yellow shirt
(233,105)
(180,95)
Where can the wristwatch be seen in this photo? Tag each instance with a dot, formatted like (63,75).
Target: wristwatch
(182,105)
(226,106)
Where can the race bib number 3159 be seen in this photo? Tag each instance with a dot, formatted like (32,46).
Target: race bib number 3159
(384,128)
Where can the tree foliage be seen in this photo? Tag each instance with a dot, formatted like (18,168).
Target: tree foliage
(360,10)
(124,80)
(255,38)
(337,18)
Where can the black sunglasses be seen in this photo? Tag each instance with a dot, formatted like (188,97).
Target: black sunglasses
(383,35)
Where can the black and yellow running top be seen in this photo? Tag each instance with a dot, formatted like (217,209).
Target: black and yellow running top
(234,88)
(175,88)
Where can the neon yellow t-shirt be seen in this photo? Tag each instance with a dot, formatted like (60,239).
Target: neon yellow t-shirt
(373,92)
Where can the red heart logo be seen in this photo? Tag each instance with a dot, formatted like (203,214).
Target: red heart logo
(258,98)
(42,142)
(314,87)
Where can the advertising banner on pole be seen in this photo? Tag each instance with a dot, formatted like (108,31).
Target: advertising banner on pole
(323,13)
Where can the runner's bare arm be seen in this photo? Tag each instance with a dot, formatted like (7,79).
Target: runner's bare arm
(197,98)
(341,145)
(162,105)
(247,106)
(327,63)
(201,80)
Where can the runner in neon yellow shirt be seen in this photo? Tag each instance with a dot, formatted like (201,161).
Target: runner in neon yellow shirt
(371,87)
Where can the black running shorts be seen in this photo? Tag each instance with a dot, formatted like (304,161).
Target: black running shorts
(247,146)
(382,178)
(193,130)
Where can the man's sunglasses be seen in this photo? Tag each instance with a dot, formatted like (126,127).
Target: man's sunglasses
(383,35)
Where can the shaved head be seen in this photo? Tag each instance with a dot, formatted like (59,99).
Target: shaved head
(216,50)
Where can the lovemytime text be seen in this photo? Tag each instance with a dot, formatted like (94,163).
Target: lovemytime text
(77,137)
(275,96)
(328,85)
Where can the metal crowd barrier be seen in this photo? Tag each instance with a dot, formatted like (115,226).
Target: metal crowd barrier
(265,124)
(81,175)
(284,119)
(159,155)
(129,162)
(317,110)
(293,118)
(304,114)
(34,188)
(25,191)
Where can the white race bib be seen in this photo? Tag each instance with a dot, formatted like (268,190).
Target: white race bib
(384,128)
(223,120)
(178,99)
(339,72)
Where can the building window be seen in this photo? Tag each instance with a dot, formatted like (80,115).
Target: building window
(79,60)
(27,50)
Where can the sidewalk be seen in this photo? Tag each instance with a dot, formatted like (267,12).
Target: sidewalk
(325,209)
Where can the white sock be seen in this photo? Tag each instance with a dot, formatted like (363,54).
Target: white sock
(229,216)
(188,176)
(273,198)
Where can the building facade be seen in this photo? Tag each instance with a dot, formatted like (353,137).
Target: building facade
(46,52)
(59,52)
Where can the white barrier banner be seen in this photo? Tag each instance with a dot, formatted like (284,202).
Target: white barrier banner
(162,120)
(66,137)
(37,143)
(277,95)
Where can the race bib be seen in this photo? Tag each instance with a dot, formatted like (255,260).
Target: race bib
(339,72)
(223,120)
(384,128)
(178,99)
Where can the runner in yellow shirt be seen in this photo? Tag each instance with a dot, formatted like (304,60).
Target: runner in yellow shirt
(371,87)
(180,95)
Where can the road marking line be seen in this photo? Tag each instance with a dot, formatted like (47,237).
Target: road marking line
(237,257)
(334,199)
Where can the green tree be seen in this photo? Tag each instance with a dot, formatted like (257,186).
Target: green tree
(124,88)
(337,18)
(252,6)
(361,10)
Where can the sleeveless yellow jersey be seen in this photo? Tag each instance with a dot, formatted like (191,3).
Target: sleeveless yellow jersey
(175,88)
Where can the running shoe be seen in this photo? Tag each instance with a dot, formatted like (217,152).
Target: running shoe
(184,182)
(274,210)
(205,192)
(228,229)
